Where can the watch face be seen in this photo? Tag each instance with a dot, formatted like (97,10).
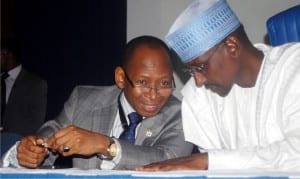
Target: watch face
(113,150)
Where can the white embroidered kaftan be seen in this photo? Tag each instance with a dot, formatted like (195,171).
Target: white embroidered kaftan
(251,128)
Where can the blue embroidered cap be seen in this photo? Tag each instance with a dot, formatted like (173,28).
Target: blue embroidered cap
(202,25)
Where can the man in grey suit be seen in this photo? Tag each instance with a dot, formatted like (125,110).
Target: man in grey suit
(24,106)
(93,118)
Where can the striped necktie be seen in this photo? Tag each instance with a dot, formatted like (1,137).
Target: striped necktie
(129,132)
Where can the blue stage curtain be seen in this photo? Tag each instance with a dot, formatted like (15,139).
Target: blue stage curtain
(70,42)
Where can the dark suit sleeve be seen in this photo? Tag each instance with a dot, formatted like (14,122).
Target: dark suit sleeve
(26,107)
(39,104)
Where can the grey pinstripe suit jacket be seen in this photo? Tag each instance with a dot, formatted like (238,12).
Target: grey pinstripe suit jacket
(95,108)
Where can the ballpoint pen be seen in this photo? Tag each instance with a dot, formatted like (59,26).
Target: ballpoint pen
(65,148)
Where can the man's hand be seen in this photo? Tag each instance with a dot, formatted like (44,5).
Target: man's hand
(78,141)
(29,154)
(193,162)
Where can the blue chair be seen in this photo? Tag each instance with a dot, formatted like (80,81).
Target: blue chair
(284,27)
(8,139)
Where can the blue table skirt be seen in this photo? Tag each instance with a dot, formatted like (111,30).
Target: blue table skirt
(6,173)
(62,176)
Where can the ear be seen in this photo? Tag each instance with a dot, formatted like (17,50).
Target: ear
(233,46)
(120,77)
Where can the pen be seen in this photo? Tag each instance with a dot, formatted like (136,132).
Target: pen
(43,145)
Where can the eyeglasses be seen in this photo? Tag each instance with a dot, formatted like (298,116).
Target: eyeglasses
(164,86)
(203,67)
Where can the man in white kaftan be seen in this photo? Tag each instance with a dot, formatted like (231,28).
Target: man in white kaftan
(257,127)
(242,105)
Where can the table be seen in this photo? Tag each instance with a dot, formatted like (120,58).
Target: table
(74,173)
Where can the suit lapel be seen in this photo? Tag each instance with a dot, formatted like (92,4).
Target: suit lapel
(149,127)
(103,119)
(16,90)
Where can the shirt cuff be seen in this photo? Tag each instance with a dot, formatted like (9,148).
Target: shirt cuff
(10,158)
(227,159)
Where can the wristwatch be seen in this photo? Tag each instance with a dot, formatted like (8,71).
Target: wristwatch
(112,150)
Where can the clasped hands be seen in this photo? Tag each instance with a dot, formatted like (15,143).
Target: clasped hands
(32,150)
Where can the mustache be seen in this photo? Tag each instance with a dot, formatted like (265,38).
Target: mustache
(209,85)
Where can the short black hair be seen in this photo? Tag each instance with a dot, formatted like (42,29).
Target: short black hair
(12,45)
(150,41)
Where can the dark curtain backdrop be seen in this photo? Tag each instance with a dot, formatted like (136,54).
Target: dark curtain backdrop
(70,42)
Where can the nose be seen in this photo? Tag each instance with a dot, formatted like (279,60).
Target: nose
(153,92)
(200,79)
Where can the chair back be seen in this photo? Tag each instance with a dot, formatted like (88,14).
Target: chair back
(284,26)
(8,139)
